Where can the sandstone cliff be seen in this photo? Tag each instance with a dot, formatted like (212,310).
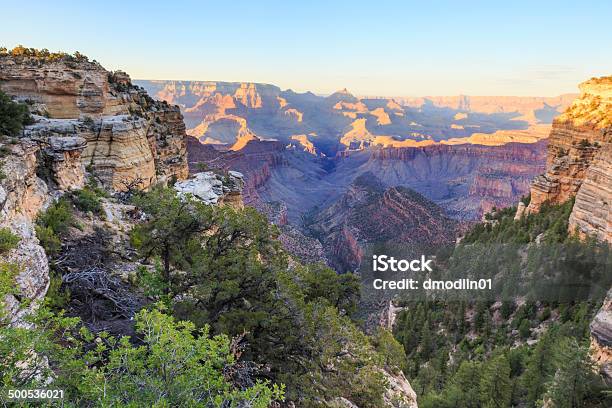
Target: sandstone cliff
(87,122)
(579,164)
(578,161)
(22,196)
(592,212)
(129,136)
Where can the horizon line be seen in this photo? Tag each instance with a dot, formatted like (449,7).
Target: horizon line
(366,96)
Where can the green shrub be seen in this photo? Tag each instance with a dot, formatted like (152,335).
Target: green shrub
(52,224)
(48,239)
(58,217)
(524,328)
(8,272)
(87,200)
(13,116)
(545,315)
(8,240)
(56,297)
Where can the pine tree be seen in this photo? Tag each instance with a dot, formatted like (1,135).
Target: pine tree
(495,384)
(467,379)
(570,384)
(539,368)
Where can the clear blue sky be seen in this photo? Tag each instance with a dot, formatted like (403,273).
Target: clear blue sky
(370,47)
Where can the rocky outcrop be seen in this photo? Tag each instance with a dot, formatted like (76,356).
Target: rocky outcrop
(398,392)
(87,121)
(214,188)
(575,140)
(305,143)
(130,137)
(592,211)
(255,161)
(368,213)
(601,338)
(22,195)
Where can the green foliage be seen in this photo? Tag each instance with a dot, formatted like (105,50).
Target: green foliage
(87,200)
(572,382)
(152,283)
(295,319)
(8,272)
(8,240)
(552,221)
(57,297)
(390,349)
(495,384)
(524,328)
(48,239)
(173,364)
(52,224)
(43,55)
(173,228)
(13,116)
(562,280)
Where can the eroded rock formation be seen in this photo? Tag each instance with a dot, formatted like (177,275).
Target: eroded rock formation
(214,188)
(601,337)
(592,212)
(578,136)
(579,164)
(221,112)
(22,196)
(129,135)
(369,213)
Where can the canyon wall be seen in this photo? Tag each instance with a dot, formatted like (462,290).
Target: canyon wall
(87,122)
(466,179)
(22,195)
(579,166)
(370,213)
(130,137)
(578,161)
(231,114)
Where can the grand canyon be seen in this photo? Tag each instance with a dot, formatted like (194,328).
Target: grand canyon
(197,243)
(301,152)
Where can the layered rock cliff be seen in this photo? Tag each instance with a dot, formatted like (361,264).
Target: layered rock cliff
(579,164)
(592,212)
(129,136)
(22,196)
(601,338)
(578,140)
(369,213)
(223,112)
(87,123)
